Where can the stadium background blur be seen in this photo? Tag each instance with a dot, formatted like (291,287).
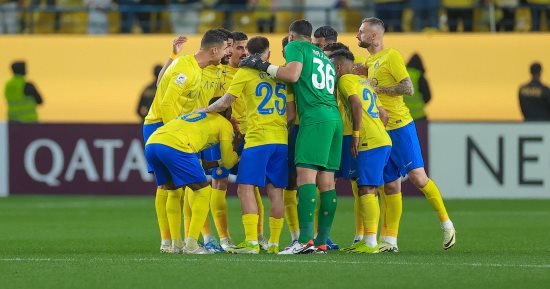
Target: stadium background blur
(89,140)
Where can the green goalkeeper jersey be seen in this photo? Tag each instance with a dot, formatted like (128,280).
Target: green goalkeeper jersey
(314,90)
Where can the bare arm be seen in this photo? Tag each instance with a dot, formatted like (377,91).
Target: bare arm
(290,113)
(384,117)
(356,113)
(290,72)
(221,104)
(405,87)
(177,46)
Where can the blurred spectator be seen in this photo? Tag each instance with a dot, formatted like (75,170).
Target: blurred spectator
(50,4)
(230,6)
(264,15)
(426,14)
(534,97)
(98,22)
(422,94)
(130,11)
(9,22)
(184,16)
(324,12)
(537,7)
(391,12)
(508,20)
(22,97)
(148,94)
(460,10)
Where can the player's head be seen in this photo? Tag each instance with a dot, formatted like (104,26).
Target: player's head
(300,29)
(214,44)
(238,49)
(225,113)
(229,37)
(370,32)
(343,61)
(156,70)
(536,70)
(324,35)
(259,45)
(416,63)
(19,68)
(284,42)
(330,48)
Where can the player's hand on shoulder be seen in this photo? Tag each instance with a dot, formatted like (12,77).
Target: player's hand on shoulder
(254,61)
(200,110)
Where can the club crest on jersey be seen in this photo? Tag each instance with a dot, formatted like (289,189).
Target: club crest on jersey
(376,65)
(180,80)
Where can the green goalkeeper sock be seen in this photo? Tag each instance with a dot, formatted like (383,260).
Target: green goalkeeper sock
(307,202)
(326,216)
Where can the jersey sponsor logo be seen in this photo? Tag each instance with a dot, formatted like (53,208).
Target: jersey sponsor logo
(180,80)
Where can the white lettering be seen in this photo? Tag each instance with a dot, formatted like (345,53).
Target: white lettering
(82,160)
(58,160)
(135,160)
(108,146)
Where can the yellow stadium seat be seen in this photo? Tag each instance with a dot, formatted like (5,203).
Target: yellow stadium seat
(283,18)
(244,21)
(210,19)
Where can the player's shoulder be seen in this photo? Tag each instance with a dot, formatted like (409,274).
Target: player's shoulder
(393,53)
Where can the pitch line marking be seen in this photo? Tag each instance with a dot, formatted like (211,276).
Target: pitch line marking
(297,261)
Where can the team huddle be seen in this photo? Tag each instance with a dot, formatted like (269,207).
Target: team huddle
(291,129)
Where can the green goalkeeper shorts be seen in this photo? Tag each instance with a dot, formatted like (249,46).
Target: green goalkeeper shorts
(319,146)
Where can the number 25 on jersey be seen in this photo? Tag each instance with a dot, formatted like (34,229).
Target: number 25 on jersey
(267,106)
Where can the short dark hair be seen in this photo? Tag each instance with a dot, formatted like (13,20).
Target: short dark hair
(374,21)
(257,44)
(226,33)
(212,37)
(335,46)
(19,67)
(536,68)
(327,32)
(301,27)
(342,54)
(156,70)
(213,99)
(285,42)
(239,36)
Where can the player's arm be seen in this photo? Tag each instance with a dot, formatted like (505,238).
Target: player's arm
(221,104)
(290,113)
(289,73)
(356,113)
(405,87)
(176,89)
(383,114)
(177,46)
(229,156)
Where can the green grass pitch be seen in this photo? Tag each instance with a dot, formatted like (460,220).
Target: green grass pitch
(112,242)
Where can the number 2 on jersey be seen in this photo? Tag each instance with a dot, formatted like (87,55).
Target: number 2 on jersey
(373,109)
(280,102)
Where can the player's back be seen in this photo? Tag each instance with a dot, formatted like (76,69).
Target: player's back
(387,68)
(193,132)
(373,133)
(265,104)
(238,106)
(178,90)
(314,90)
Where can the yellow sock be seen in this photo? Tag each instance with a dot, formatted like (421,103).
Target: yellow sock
(250,223)
(186,211)
(275,228)
(291,213)
(316,214)
(200,205)
(160,207)
(383,226)
(370,213)
(206,230)
(260,205)
(173,211)
(434,197)
(394,208)
(218,206)
(357,210)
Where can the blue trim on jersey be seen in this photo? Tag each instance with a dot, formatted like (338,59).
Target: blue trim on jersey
(264,164)
(405,154)
(348,164)
(147,131)
(172,165)
(370,166)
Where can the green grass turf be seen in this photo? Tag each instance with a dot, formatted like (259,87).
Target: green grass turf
(112,242)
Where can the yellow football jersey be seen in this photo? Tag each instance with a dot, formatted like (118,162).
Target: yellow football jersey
(177,92)
(387,68)
(194,132)
(210,81)
(265,103)
(373,133)
(238,106)
(346,115)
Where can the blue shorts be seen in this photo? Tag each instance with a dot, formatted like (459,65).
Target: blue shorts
(221,172)
(370,166)
(264,164)
(148,130)
(291,151)
(348,165)
(172,165)
(405,153)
